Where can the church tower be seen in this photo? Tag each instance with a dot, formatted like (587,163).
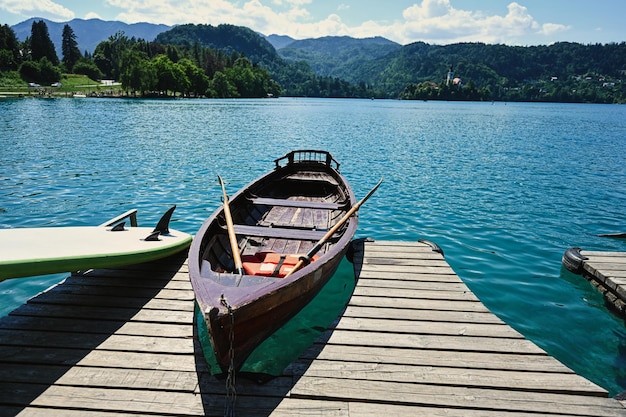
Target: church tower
(450,75)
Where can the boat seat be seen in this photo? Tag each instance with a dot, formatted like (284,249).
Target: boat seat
(296,203)
(279,232)
(313,176)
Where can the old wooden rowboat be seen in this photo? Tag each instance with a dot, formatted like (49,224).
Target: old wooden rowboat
(276,219)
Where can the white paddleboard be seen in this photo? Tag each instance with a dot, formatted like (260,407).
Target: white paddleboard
(47,250)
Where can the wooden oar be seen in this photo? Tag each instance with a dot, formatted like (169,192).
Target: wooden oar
(234,246)
(306,259)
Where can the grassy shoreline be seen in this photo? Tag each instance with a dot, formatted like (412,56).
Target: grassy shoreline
(13,86)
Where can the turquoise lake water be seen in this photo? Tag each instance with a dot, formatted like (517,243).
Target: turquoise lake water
(503,188)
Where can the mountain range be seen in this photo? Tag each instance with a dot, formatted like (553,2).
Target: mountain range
(317,52)
(89,33)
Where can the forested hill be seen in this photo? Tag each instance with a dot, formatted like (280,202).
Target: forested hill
(227,38)
(337,56)
(536,70)
(559,72)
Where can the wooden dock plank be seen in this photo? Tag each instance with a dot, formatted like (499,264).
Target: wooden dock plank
(441,358)
(413,340)
(419,395)
(537,381)
(382,326)
(353,310)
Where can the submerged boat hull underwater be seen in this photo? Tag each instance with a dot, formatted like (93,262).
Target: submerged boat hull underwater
(276,219)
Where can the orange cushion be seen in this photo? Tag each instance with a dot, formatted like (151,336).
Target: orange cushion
(266,264)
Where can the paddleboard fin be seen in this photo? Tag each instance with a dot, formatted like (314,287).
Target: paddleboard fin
(163,225)
(153,237)
(118,227)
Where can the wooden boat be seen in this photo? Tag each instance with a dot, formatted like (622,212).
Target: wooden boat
(276,219)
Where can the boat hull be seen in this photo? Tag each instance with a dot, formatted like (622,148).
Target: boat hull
(273,309)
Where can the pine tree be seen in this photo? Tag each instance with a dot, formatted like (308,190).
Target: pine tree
(40,43)
(69,48)
(9,49)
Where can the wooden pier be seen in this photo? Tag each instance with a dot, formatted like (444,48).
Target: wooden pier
(414,340)
(605,270)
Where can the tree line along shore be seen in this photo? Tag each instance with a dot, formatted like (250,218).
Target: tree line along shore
(234,62)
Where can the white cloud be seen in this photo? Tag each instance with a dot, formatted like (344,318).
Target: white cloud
(433,21)
(92,15)
(436,21)
(37,8)
(552,28)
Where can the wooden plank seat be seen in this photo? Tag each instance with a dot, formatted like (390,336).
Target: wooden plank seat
(279,232)
(296,203)
(313,177)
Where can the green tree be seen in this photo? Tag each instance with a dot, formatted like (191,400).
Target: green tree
(9,49)
(222,87)
(48,72)
(69,48)
(108,54)
(198,81)
(41,71)
(138,73)
(171,77)
(29,71)
(87,67)
(40,43)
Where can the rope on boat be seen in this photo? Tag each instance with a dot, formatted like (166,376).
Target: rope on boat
(231,390)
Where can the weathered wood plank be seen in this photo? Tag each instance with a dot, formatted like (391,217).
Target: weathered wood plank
(427,327)
(97,326)
(123,292)
(434,342)
(167,282)
(47,412)
(398,261)
(396,293)
(36,310)
(124,400)
(571,384)
(401,410)
(421,315)
(37,338)
(438,358)
(423,304)
(131,378)
(605,257)
(409,269)
(420,395)
(135,378)
(389,275)
(104,301)
(412,284)
(139,360)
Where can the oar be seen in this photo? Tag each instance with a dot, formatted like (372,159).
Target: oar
(231,231)
(306,259)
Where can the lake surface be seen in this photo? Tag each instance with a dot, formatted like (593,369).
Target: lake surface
(503,188)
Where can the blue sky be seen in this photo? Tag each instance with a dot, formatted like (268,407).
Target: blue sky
(521,22)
